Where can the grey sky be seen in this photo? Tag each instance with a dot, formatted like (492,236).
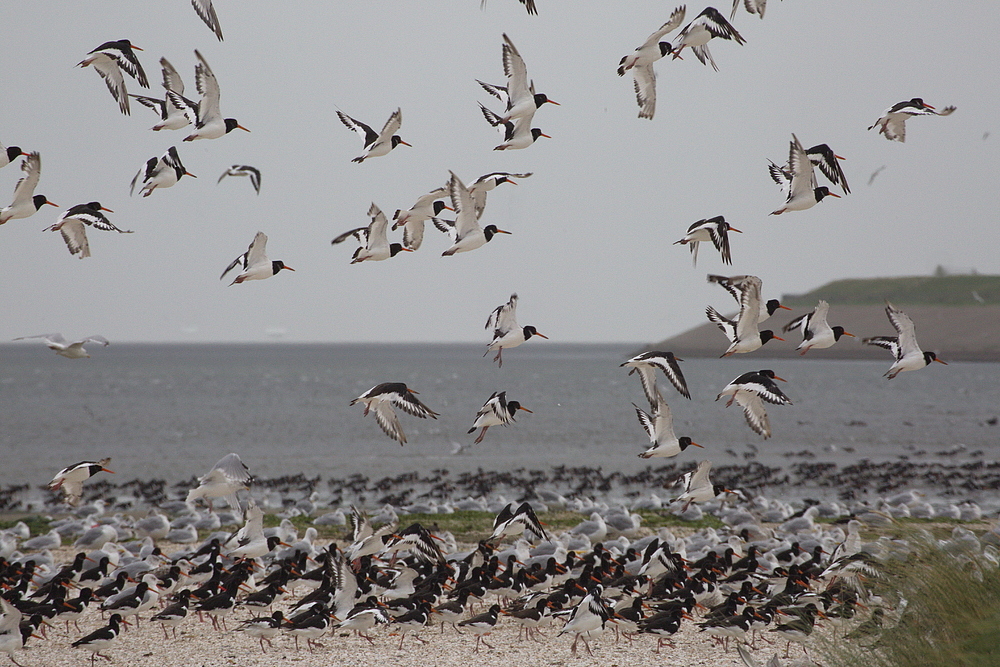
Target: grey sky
(590,255)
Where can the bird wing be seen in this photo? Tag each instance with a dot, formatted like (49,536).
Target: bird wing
(676,18)
(410,404)
(746,324)
(233,469)
(670,368)
(130,63)
(370,135)
(727,325)
(700,477)
(112,75)
(717,25)
(25,188)
(360,233)
(208,87)
(388,421)
(516,72)
(646,421)
(392,125)
(464,205)
(95,339)
(207,14)
(50,340)
(903,325)
(171,78)
(823,157)
(644,79)
(413,234)
(732,284)
(890,343)
(499,92)
(800,321)
(803,178)
(503,318)
(753,410)
(719,232)
(377,229)
(663,421)
(146,172)
(257,252)
(360,527)
(74,233)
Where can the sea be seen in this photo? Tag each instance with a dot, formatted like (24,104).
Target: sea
(170,411)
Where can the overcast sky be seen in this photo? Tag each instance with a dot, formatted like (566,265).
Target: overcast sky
(590,255)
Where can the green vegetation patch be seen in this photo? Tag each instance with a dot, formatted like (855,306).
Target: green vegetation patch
(938,290)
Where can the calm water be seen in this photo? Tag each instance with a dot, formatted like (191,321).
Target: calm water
(171,411)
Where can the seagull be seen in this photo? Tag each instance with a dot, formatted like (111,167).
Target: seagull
(497,411)
(160,172)
(506,332)
(816,333)
(9,154)
(382,397)
(109,59)
(209,124)
(696,34)
(647,363)
(207,14)
(715,230)
(735,286)
(465,232)
(243,170)
(821,156)
(488,182)
(256,265)
(175,112)
(904,347)
(893,122)
(800,180)
(72,225)
(74,350)
(743,333)
(517,134)
(659,426)
(226,478)
(641,62)
(25,201)
(750,390)
(71,478)
(412,220)
(377,144)
(512,521)
(698,488)
(374,244)
(752,6)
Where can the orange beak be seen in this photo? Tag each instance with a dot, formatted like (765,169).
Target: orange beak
(405,144)
(695,444)
(188,173)
(542,335)
(733,229)
(521,407)
(107,209)
(51,203)
(243,128)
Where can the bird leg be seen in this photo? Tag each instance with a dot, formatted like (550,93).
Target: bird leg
(481,435)
(499,357)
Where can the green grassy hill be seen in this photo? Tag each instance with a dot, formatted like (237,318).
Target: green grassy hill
(941,290)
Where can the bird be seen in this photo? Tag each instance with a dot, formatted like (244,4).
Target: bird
(799,179)
(161,172)
(647,363)
(225,480)
(175,112)
(659,426)
(743,333)
(110,59)
(209,124)
(102,638)
(25,201)
(377,144)
(71,478)
(510,521)
(63,348)
(412,220)
(715,230)
(487,183)
(904,346)
(375,245)
(256,265)
(821,156)
(892,124)
(10,153)
(382,397)
(529,5)
(174,614)
(588,618)
(816,333)
(206,12)
(497,411)
(641,62)
(506,332)
(73,223)
(698,487)
(750,390)
(264,628)
(696,34)
(521,99)
(482,624)
(243,170)
(465,232)
(518,133)
(752,6)
(735,286)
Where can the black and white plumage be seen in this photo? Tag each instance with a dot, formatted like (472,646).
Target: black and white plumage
(103,638)
(206,12)
(497,411)
(641,62)
(412,220)
(26,202)
(715,230)
(10,153)
(175,111)
(529,5)
(892,124)
(821,156)
(518,133)
(209,124)
(735,285)
(904,346)
(71,478)
(264,628)
(512,521)
(382,397)
(743,333)
(161,172)
(659,426)
(751,390)
(64,348)
(420,542)
(488,182)
(757,7)
(696,34)
(256,265)
(647,363)
(73,223)
(588,618)
(816,333)
(698,487)
(243,170)
(374,241)
(366,541)
(110,60)
(173,614)
(482,624)
(377,144)
(225,480)
(465,232)
(521,99)
(506,332)
(798,179)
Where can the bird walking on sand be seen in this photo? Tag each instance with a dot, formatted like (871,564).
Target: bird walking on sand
(506,332)
(382,397)
(256,265)
(904,346)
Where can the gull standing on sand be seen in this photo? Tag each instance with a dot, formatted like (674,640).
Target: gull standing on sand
(750,390)
(715,230)
(659,426)
(647,363)
(110,59)
(225,480)
(641,62)
(497,411)
(210,124)
(816,333)
(71,478)
(256,265)
(73,224)
(506,332)
(382,397)
(26,202)
(377,144)
(904,346)
(63,348)
(892,124)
